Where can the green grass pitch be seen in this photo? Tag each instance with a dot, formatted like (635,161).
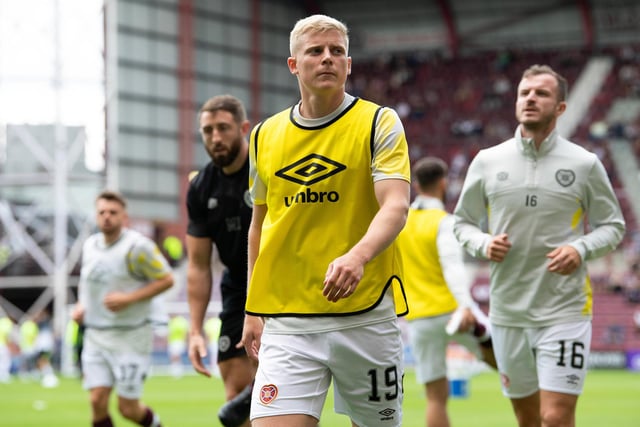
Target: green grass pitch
(610,398)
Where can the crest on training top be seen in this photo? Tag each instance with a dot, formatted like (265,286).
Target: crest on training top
(565,177)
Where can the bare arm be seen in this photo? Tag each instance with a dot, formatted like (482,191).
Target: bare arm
(253,325)
(199,279)
(345,272)
(255,233)
(199,284)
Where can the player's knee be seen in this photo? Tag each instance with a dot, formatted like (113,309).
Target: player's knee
(528,416)
(99,402)
(555,418)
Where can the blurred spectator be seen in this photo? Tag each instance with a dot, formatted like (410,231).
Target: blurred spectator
(403,109)
(6,336)
(636,319)
(501,85)
(632,249)
(497,130)
(74,336)
(28,333)
(358,85)
(45,348)
(632,285)
(469,127)
(614,335)
(598,130)
(417,106)
(173,250)
(459,163)
(401,72)
(177,343)
(636,147)
(503,61)
(431,97)
(212,330)
(466,96)
(629,75)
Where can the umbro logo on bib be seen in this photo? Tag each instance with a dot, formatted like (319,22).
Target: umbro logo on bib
(310,169)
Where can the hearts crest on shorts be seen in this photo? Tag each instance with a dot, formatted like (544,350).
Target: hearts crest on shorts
(268,393)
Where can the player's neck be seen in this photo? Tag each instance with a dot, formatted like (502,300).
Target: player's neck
(111,237)
(537,134)
(315,106)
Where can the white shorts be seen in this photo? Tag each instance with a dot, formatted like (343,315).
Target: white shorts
(429,342)
(365,364)
(121,367)
(552,358)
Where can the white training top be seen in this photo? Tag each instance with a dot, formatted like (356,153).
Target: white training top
(541,199)
(130,263)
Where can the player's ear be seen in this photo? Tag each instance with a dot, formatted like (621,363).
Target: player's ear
(292,64)
(245,127)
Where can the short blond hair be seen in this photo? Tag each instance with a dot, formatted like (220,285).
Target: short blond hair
(316,24)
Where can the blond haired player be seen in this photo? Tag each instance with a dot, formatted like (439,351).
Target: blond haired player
(330,185)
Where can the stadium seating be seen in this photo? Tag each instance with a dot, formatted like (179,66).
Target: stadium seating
(613,325)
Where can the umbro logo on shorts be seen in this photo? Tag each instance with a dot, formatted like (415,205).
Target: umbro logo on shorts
(387,414)
(573,379)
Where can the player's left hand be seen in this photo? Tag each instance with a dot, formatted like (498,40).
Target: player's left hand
(564,260)
(342,277)
(116,301)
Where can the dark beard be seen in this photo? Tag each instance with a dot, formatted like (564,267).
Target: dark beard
(226,159)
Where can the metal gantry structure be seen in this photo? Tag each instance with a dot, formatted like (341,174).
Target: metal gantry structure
(43,172)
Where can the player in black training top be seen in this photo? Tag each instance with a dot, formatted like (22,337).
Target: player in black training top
(219,209)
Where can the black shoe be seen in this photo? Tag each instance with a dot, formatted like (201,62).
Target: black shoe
(236,411)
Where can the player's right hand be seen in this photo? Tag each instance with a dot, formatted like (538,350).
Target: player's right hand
(197,352)
(498,247)
(252,335)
